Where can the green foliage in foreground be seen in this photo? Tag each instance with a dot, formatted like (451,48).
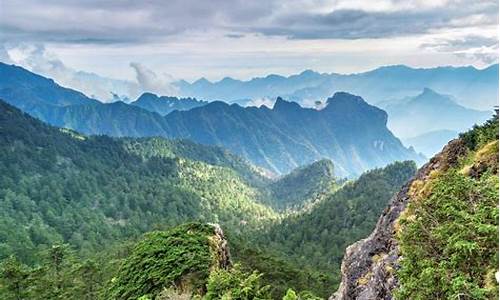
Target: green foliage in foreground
(481,134)
(234,284)
(279,272)
(448,234)
(59,276)
(182,263)
(181,257)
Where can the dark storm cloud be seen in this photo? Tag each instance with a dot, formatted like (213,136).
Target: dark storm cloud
(114,22)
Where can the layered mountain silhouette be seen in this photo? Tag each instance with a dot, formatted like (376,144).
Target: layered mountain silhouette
(164,105)
(349,131)
(431,142)
(428,118)
(475,88)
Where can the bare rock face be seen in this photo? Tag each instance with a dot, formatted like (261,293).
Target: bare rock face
(221,247)
(369,265)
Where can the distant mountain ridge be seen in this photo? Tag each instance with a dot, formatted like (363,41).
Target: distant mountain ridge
(431,142)
(429,112)
(475,88)
(350,132)
(164,105)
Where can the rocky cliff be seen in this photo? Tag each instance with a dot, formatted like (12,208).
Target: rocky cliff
(370,266)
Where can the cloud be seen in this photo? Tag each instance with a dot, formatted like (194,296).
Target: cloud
(471,46)
(150,81)
(37,59)
(395,21)
(110,22)
(4,55)
(258,102)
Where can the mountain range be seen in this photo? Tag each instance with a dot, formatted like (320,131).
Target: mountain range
(349,131)
(430,111)
(429,120)
(474,88)
(94,193)
(164,105)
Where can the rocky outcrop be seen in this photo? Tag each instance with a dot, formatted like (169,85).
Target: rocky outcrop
(220,247)
(368,268)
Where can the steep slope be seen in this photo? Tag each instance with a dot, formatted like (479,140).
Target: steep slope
(476,88)
(347,131)
(316,239)
(26,89)
(303,184)
(164,105)
(430,111)
(90,191)
(438,238)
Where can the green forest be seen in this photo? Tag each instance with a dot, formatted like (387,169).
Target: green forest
(95,217)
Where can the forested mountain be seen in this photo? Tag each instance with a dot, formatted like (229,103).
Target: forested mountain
(91,191)
(317,238)
(164,105)
(438,237)
(475,88)
(304,183)
(348,131)
(95,192)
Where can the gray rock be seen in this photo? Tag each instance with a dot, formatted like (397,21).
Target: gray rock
(369,265)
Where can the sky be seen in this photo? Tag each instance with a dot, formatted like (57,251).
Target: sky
(128,46)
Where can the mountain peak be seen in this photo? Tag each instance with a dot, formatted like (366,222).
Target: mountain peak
(201,81)
(147,96)
(344,97)
(308,72)
(428,91)
(434,98)
(282,104)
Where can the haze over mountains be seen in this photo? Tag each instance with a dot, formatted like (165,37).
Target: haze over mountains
(348,130)
(429,120)
(164,105)
(474,88)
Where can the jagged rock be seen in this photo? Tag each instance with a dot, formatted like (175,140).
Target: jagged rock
(221,247)
(368,267)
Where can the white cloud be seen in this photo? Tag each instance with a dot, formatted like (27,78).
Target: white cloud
(241,39)
(258,102)
(37,59)
(4,55)
(150,81)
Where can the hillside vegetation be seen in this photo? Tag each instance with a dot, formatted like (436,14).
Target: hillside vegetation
(74,210)
(448,234)
(317,239)
(438,237)
(58,186)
